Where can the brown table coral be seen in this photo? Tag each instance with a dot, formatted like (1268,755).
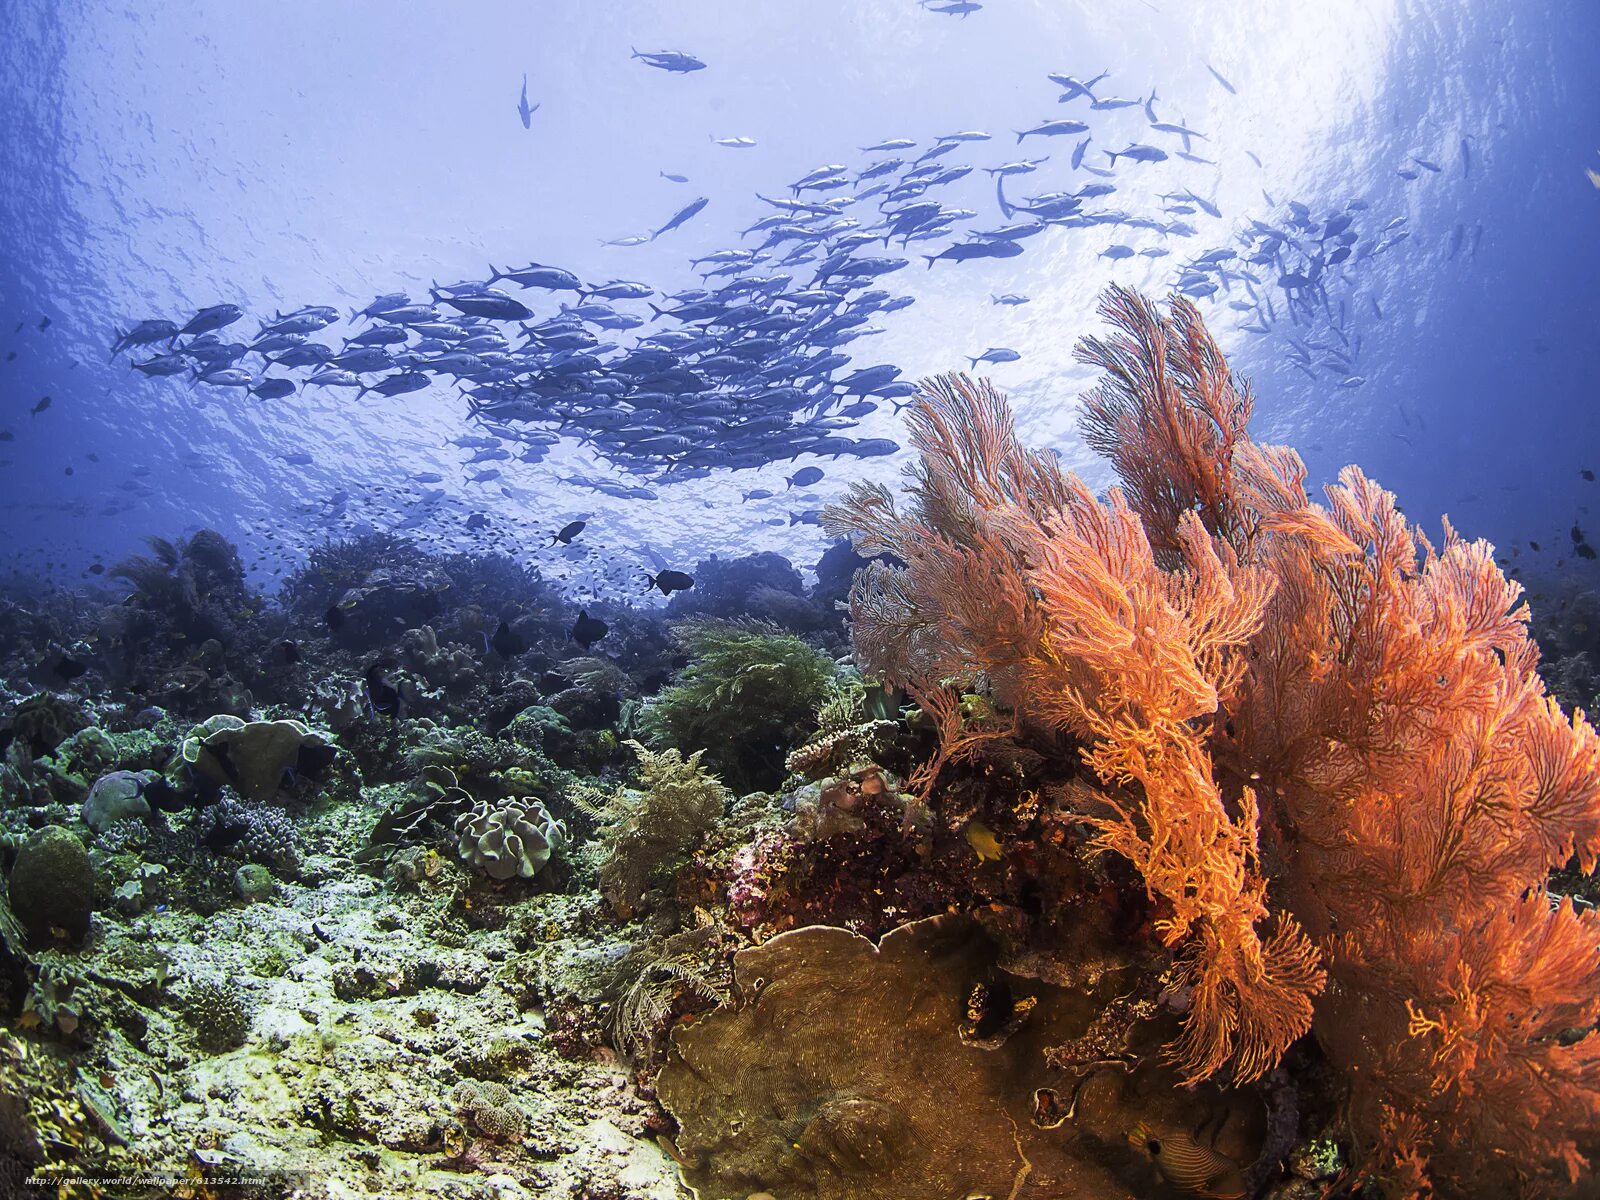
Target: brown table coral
(844,1070)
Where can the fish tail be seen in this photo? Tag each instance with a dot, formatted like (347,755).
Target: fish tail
(932,258)
(1020,136)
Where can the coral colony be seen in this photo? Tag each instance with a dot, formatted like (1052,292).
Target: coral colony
(1203,837)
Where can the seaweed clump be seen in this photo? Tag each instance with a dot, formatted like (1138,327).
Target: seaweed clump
(747,696)
(645,829)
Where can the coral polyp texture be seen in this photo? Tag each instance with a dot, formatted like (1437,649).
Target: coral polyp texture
(1317,737)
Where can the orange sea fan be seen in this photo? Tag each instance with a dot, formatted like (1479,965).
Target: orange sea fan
(1214,640)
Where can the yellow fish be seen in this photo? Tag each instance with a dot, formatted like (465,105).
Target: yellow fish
(983,842)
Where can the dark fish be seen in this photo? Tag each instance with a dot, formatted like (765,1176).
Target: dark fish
(506,642)
(289,651)
(41,406)
(69,668)
(97,569)
(299,458)
(397,385)
(496,306)
(44,323)
(1587,474)
(477,521)
(965,251)
(1534,545)
(671,60)
(1583,550)
(225,833)
(524,110)
(218,316)
(162,364)
(1218,77)
(668,582)
(805,477)
(273,389)
(335,618)
(143,334)
(587,630)
(568,531)
(1577,535)
(381,694)
(674,178)
(162,796)
(682,215)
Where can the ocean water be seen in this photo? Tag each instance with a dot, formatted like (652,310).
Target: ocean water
(179,157)
(1387,212)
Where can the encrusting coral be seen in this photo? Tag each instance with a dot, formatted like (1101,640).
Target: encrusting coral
(1319,739)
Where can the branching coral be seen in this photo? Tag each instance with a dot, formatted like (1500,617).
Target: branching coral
(1267,687)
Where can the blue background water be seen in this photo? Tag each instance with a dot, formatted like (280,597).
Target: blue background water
(153,162)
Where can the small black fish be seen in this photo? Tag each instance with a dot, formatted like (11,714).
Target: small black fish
(334,617)
(1577,535)
(669,582)
(290,652)
(69,668)
(44,323)
(97,569)
(587,630)
(313,760)
(383,696)
(11,355)
(68,471)
(7,436)
(163,797)
(1583,550)
(40,407)
(805,477)
(477,521)
(225,834)
(1535,545)
(506,642)
(1587,474)
(568,531)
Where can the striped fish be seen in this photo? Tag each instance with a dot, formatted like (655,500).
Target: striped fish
(1185,1163)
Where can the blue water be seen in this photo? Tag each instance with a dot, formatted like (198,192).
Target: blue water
(158,159)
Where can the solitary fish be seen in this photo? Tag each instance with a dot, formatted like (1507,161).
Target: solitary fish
(668,582)
(523,109)
(1186,1164)
(568,531)
(995,354)
(1215,74)
(682,215)
(674,61)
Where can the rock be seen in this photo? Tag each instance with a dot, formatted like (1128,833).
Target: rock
(52,887)
(116,797)
(253,882)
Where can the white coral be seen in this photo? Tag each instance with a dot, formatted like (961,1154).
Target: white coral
(512,837)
